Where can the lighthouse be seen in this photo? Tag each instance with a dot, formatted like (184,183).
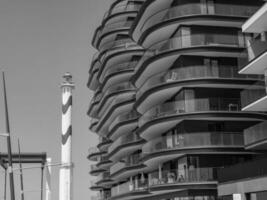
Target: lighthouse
(66,170)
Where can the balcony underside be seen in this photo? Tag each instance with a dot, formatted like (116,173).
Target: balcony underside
(257,23)
(256,66)
(259,105)
(258,146)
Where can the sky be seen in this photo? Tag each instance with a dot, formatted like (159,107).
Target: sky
(40,40)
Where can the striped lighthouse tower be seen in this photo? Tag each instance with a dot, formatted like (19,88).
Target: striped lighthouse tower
(65,179)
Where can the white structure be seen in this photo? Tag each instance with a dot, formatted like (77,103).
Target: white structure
(48,172)
(65,182)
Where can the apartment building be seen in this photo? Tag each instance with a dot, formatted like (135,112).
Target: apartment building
(248,181)
(167,104)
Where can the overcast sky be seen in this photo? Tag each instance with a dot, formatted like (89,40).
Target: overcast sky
(39,41)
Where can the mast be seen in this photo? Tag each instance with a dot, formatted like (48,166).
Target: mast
(10,164)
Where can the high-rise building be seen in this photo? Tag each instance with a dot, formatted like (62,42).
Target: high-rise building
(248,180)
(167,101)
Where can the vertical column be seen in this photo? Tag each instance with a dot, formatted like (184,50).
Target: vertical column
(65,183)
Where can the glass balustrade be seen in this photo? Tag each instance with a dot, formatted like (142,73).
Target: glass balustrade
(128,116)
(194,140)
(122,8)
(116,25)
(124,139)
(120,68)
(136,185)
(193,72)
(190,106)
(192,8)
(111,43)
(192,40)
(182,176)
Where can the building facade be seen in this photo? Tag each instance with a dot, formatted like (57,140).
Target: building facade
(248,180)
(168,98)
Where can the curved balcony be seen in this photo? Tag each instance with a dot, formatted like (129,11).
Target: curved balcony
(94,186)
(125,145)
(202,44)
(128,168)
(165,84)
(121,9)
(95,171)
(104,162)
(93,124)
(94,153)
(121,26)
(116,49)
(104,143)
(183,177)
(168,147)
(93,106)
(124,123)
(165,18)
(106,45)
(121,58)
(163,117)
(138,186)
(118,73)
(104,179)
(111,93)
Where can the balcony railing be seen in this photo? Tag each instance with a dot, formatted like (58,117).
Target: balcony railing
(119,48)
(125,139)
(192,8)
(194,72)
(122,8)
(253,93)
(103,176)
(182,176)
(128,116)
(113,43)
(256,134)
(93,168)
(136,185)
(120,68)
(193,40)
(132,160)
(252,169)
(190,106)
(116,25)
(120,87)
(194,140)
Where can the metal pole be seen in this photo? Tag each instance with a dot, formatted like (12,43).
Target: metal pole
(5,184)
(10,167)
(42,180)
(48,179)
(21,174)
